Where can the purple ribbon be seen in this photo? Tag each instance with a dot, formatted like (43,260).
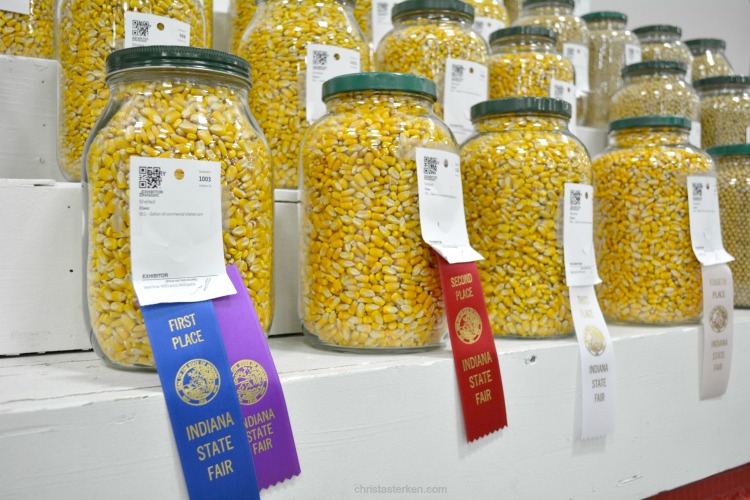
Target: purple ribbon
(258,386)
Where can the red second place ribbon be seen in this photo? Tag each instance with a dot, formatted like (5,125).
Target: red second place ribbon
(474,353)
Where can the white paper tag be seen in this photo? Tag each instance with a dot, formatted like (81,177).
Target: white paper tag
(147,29)
(441,205)
(747,136)
(632,54)
(695,133)
(176,245)
(17,6)
(718,326)
(689,74)
(323,63)
(582,7)
(578,54)
(465,86)
(578,235)
(597,356)
(381,20)
(567,92)
(485,26)
(705,224)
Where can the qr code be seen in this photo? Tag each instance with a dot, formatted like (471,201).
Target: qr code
(320,58)
(140,28)
(575,198)
(383,9)
(558,91)
(430,166)
(478,25)
(697,189)
(150,177)
(457,71)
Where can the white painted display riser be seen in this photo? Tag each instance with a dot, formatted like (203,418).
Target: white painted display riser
(72,428)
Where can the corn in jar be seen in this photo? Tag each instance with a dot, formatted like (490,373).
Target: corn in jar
(181,103)
(425,34)
(208,13)
(572,33)
(708,58)
(368,281)
(514,9)
(661,42)
(29,34)
(611,48)
(733,180)
(658,88)
(241,12)
(275,43)
(91,30)
(524,62)
(489,16)
(724,110)
(514,172)
(641,222)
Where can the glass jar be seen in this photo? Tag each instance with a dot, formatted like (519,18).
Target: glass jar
(29,35)
(641,224)
(514,9)
(611,48)
(661,42)
(514,172)
(489,16)
(733,180)
(425,34)
(91,31)
(151,90)
(725,110)
(275,43)
(572,34)
(524,62)
(241,12)
(208,13)
(657,88)
(368,281)
(708,58)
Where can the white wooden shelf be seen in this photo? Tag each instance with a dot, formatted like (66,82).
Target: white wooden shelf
(71,427)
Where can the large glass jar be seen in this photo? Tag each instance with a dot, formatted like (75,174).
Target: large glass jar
(611,48)
(425,34)
(181,103)
(725,110)
(89,31)
(708,58)
(276,45)
(525,63)
(641,223)
(368,281)
(241,12)
(489,16)
(29,35)
(661,42)
(572,34)
(514,172)
(733,180)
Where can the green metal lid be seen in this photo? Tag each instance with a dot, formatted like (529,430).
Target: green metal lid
(718,81)
(729,150)
(521,105)
(569,3)
(706,43)
(604,15)
(173,56)
(524,30)
(410,6)
(652,66)
(399,82)
(658,28)
(650,121)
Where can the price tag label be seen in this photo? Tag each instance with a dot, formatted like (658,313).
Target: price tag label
(632,53)
(747,136)
(381,20)
(17,6)
(147,29)
(705,224)
(578,227)
(465,86)
(578,54)
(567,92)
(695,133)
(323,63)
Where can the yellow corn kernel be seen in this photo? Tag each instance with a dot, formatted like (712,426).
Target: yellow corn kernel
(29,35)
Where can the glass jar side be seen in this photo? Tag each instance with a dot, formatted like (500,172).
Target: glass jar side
(29,35)
(725,115)
(662,92)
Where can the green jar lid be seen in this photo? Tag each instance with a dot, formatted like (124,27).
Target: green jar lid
(658,28)
(706,43)
(524,30)
(718,81)
(604,15)
(409,6)
(569,3)
(651,66)
(399,82)
(650,121)
(729,150)
(521,105)
(173,56)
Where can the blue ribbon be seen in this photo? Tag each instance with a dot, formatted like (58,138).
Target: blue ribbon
(203,407)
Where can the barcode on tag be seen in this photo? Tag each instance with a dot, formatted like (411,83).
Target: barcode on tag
(575,198)
(457,71)
(697,190)
(430,167)
(150,177)
(384,9)
(320,58)
(140,29)
(632,54)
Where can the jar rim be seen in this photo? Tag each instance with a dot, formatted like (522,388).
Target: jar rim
(654,65)
(717,81)
(510,105)
(605,15)
(539,31)
(452,6)
(706,43)
(729,150)
(658,28)
(396,82)
(649,121)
